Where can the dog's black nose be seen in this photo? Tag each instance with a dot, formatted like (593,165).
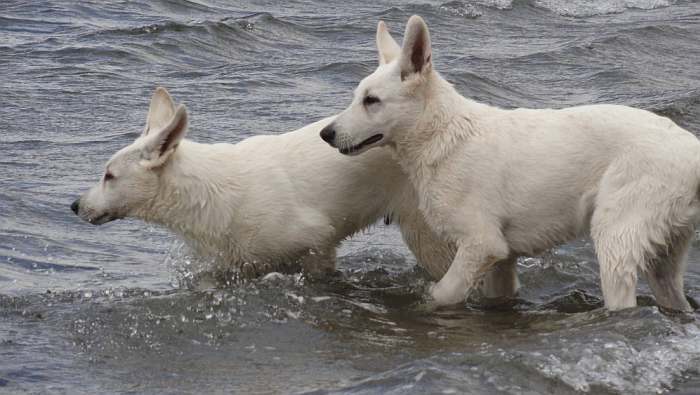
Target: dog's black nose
(328,134)
(75,206)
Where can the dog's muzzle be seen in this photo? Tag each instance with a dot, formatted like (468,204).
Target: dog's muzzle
(99,220)
(359,147)
(102,219)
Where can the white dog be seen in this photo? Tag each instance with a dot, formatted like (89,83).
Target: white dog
(268,203)
(503,183)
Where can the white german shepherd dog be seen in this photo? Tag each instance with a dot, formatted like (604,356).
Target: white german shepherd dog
(503,183)
(268,203)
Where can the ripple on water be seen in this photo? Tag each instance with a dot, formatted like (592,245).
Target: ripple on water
(97,310)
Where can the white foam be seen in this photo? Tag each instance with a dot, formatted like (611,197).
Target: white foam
(500,4)
(620,366)
(585,8)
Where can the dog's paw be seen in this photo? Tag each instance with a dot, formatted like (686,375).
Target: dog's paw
(445,294)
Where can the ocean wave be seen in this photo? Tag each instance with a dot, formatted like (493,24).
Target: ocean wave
(642,41)
(484,89)
(645,355)
(182,6)
(38,265)
(568,8)
(28,25)
(247,26)
(75,75)
(347,69)
(164,27)
(462,9)
(640,351)
(458,8)
(681,105)
(683,109)
(587,8)
(205,43)
(574,8)
(81,53)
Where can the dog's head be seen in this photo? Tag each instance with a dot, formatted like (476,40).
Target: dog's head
(391,99)
(131,177)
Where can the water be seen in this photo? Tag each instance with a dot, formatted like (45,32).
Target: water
(87,310)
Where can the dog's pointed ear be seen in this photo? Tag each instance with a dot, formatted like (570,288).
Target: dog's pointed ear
(160,111)
(161,143)
(386,45)
(416,53)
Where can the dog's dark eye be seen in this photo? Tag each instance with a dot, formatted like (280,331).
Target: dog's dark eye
(370,100)
(109,176)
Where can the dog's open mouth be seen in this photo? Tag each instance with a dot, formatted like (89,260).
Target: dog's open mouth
(102,219)
(365,143)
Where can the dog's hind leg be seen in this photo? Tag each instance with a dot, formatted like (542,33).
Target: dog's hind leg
(633,213)
(622,245)
(643,220)
(640,227)
(619,258)
(665,273)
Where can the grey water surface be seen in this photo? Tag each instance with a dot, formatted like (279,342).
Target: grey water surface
(87,309)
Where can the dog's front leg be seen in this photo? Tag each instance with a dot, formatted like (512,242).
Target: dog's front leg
(474,258)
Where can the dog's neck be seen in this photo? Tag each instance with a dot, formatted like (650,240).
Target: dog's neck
(447,118)
(194,194)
